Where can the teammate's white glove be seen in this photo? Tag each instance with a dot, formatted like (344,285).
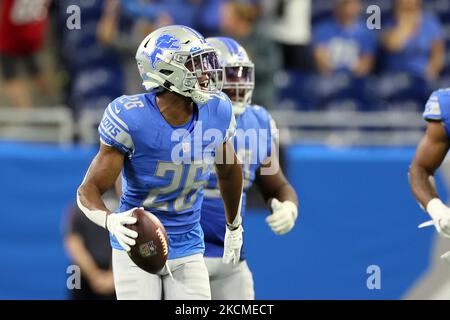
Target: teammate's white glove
(115,223)
(232,245)
(440,214)
(283,216)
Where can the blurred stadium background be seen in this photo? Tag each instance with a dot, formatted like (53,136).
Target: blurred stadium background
(348,103)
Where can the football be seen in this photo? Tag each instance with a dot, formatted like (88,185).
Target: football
(152,245)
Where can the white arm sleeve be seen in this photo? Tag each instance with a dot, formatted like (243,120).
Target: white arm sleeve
(96,216)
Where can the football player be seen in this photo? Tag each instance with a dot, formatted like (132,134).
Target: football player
(430,153)
(236,281)
(158,141)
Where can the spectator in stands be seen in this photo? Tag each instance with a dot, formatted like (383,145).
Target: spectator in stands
(125,40)
(241,21)
(22,33)
(88,246)
(95,72)
(344,52)
(125,23)
(343,43)
(290,28)
(414,41)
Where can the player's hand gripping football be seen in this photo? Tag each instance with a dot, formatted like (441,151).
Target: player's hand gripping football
(115,223)
(441,216)
(232,244)
(283,216)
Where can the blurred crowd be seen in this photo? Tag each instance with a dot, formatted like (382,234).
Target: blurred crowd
(309,55)
(365,61)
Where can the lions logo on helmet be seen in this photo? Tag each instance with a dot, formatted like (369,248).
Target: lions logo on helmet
(166,41)
(178,59)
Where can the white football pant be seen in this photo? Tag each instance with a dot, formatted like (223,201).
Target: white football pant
(228,281)
(189,282)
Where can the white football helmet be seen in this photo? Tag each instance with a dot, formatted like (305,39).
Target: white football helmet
(178,58)
(239,77)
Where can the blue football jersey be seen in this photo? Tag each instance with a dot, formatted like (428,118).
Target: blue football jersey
(255,122)
(438,108)
(166,167)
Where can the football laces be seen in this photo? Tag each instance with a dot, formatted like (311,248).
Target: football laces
(163,241)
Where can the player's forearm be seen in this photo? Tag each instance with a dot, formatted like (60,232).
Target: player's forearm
(420,181)
(275,186)
(101,176)
(89,200)
(91,197)
(231,185)
(283,193)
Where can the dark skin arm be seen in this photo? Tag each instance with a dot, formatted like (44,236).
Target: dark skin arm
(429,155)
(275,185)
(101,175)
(229,176)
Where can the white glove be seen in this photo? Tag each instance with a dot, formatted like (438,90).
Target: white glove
(283,216)
(115,224)
(232,245)
(440,214)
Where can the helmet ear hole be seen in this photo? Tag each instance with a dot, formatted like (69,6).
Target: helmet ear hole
(166,72)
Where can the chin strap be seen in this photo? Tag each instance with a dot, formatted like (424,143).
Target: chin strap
(200,97)
(238,108)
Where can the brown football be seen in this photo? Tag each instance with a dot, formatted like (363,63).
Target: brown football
(152,245)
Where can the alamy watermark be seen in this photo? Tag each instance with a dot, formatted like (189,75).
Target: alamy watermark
(374,280)
(74,277)
(73,21)
(259,146)
(373,22)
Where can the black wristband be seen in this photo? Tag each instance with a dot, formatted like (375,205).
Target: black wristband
(232,227)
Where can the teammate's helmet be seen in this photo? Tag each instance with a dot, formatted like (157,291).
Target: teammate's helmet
(239,78)
(179,59)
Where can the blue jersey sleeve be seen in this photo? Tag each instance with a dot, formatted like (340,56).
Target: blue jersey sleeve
(437,108)
(268,123)
(113,128)
(274,137)
(225,120)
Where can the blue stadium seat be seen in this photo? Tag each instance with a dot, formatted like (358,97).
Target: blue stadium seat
(294,90)
(332,90)
(396,88)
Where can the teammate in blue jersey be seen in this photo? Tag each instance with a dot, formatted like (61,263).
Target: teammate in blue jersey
(164,143)
(255,143)
(430,153)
